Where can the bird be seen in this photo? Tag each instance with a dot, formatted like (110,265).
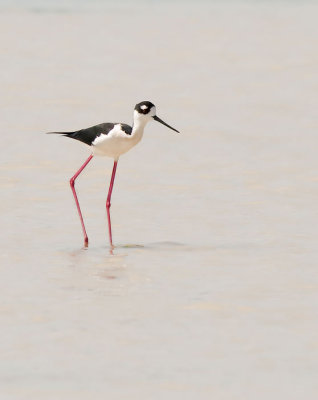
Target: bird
(112,140)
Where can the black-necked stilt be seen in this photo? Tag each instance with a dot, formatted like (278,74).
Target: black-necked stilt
(112,140)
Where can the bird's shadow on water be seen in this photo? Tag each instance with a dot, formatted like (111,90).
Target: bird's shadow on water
(171,246)
(166,245)
(103,255)
(117,263)
(119,252)
(117,257)
(123,250)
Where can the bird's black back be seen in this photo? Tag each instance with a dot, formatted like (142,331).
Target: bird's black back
(88,135)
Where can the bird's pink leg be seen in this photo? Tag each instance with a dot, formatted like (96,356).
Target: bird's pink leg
(72,183)
(108,203)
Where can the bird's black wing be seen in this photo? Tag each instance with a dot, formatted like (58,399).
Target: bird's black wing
(88,135)
(126,128)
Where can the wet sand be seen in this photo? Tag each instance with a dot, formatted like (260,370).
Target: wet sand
(212,288)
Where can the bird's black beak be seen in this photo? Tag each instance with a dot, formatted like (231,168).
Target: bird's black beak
(163,123)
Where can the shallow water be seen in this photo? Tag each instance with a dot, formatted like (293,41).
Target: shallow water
(212,287)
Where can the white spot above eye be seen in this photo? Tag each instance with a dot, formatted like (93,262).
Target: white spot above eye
(144,107)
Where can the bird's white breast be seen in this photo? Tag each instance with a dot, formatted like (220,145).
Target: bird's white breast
(116,142)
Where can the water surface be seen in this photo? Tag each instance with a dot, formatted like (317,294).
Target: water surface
(212,289)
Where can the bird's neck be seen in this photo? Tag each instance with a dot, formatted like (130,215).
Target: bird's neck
(138,125)
(137,133)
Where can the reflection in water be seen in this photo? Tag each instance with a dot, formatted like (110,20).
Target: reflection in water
(101,262)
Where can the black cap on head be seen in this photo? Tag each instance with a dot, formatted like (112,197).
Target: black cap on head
(144,107)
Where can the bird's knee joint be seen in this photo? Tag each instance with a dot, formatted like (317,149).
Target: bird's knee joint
(72,182)
(108,204)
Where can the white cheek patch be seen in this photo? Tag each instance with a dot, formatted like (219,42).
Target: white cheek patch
(144,107)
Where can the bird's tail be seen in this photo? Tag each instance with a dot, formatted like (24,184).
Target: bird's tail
(67,134)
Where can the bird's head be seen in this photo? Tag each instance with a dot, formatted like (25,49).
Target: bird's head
(146,111)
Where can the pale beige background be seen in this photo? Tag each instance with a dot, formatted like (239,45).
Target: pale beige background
(221,302)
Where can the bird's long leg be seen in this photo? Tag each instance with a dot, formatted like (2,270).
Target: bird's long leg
(72,183)
(108,203)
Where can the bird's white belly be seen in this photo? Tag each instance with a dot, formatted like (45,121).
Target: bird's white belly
(114,144)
